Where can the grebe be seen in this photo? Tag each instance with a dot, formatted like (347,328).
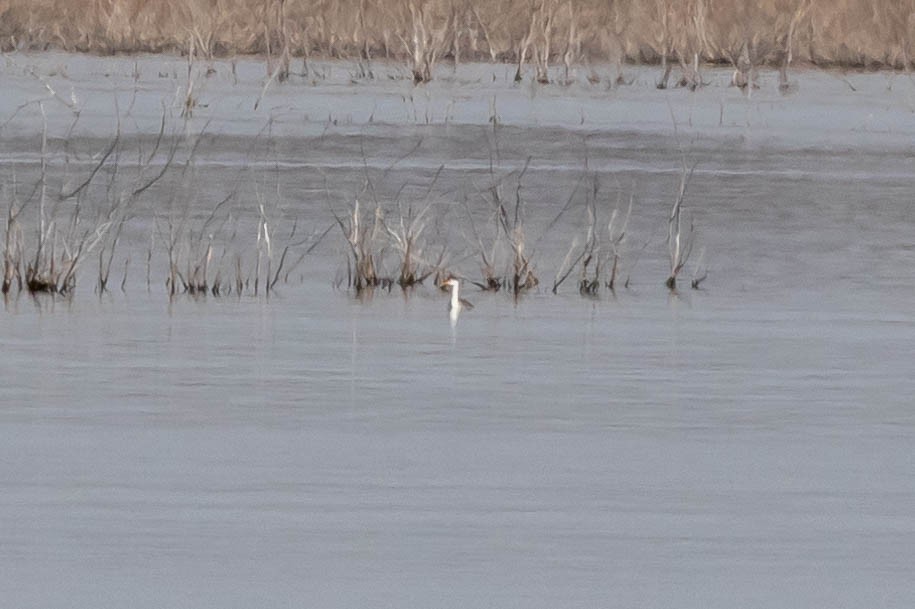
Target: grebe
(457,303)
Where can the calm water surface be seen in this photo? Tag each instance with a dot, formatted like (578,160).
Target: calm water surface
(745,445)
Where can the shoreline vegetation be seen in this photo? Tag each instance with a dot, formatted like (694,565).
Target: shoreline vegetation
(680,36)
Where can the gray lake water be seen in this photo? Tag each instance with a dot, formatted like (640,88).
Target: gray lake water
(748,444)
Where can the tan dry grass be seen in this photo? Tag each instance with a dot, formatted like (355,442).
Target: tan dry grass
(873,33)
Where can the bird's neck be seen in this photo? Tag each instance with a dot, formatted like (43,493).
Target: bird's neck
(455,298)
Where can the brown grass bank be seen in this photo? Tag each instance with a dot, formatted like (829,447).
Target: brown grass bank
(860,33)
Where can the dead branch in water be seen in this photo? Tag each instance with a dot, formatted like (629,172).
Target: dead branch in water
(616,235)
(538,41)
(406,237)
(601,247)
(542,49)
(584,252)
(521,276)
(700,272)
(361,237)
(492,280)
(426,42)
(679,246)
(49,271)
(13,249)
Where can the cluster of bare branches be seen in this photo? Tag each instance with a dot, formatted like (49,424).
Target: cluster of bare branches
(66,227)
(679,243)
(190,249)
(88,209)
(599,255)
(747,36)
(426,42)
(205,257)
(406,236)
(362,238)
(538,38)
(505,261)
(400,231)
(208,255)
(371,237)
(56,223)
(511,219)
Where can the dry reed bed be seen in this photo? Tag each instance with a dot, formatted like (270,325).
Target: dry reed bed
(678,33)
